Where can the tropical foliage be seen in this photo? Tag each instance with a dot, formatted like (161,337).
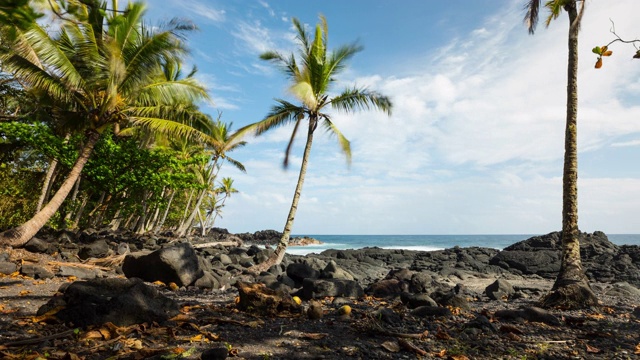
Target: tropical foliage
(104,74)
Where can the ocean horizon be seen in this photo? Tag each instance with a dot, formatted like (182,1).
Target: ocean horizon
(427,242)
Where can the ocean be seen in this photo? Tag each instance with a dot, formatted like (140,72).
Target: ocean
(427,242)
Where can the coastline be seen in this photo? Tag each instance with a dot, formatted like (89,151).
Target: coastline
(428,242)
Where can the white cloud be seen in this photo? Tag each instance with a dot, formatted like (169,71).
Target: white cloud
(215,89)
(627,143)
(202,10)
(253,36)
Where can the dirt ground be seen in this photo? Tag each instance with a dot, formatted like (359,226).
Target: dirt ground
(211,327)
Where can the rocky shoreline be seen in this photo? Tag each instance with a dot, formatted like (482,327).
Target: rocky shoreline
(434,284)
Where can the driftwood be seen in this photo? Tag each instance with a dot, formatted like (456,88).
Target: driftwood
(216,243)
(40,339)
(409,346)
(80,265)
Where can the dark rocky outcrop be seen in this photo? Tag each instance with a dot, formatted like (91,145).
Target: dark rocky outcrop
(602,260)
(122,302)
(176,264)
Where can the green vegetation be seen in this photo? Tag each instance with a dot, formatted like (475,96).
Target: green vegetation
(101,114)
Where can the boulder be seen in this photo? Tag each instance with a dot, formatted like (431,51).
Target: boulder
(36,271)
(431,312)
(300,271)
(178,264)
(387,315)
(122,302)
(386,288)
(333,271)
(37,245)
(77,272)
(7,267)
(207,281)
(413,301)
(499,290)
(450,298)
(319,288)
(96,249)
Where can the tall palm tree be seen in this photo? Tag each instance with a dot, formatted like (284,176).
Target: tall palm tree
(571,288)
(311,77)
(102,70)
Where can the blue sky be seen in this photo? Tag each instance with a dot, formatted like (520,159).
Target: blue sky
(475,143)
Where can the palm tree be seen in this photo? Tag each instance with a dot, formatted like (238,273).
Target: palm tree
(207,173)
(102,72)
(215,205)
(310,80)
(571,288)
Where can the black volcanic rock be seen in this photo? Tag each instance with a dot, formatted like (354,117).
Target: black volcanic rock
(602,260)
(121,301)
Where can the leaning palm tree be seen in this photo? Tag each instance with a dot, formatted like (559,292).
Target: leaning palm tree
(102,71)
(571,288)
(310,80)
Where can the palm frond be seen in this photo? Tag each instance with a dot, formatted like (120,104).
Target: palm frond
(51,54)
(124,28)
(361,99)
(37,78)
(555,9)
(172,92)
(281,114)
(336,63)
(315,62)
(304,92)
(285,162)
(168,127)
(141,58)
(237,164)
(532,9)
(301,34)
(287,65)
(345,144)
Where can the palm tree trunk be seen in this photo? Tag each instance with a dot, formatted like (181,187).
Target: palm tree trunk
(19,236)
(115,221)
(571,288)
(83,206)
(278,255)
(158,226)
(103,210)
(186,210)
(48,181)
(203,228)
(139,229)
(183,230)
(46,187)
(74,196)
